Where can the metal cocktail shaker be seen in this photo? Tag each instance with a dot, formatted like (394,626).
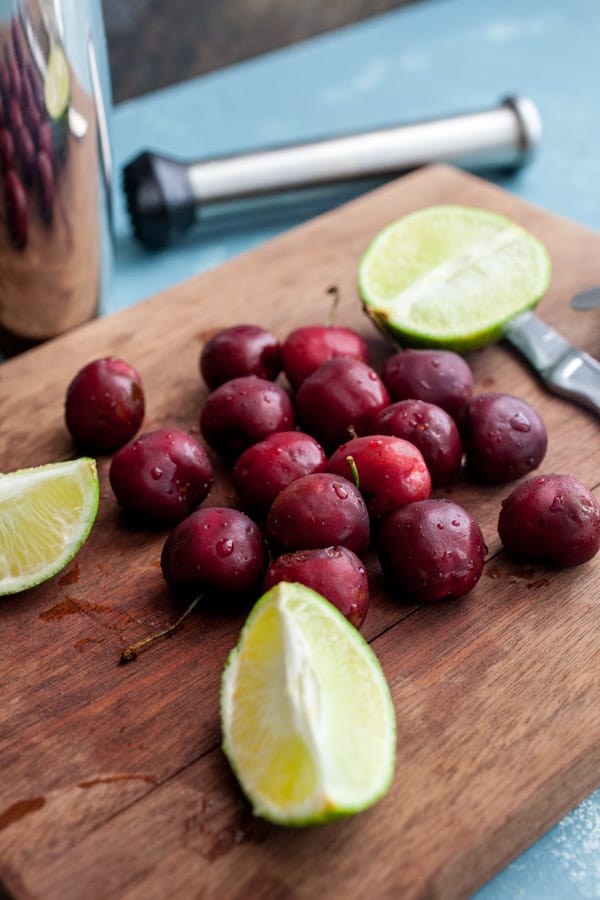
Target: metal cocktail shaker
(55,166)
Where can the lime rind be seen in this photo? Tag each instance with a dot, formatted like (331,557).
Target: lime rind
(451,276)
(38,537)
(311,698)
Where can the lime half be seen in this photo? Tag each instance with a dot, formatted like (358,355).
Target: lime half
(451,276)
(57,84)
(307,718)
(46,514)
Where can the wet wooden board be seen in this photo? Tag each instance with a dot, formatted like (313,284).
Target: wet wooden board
(113,782)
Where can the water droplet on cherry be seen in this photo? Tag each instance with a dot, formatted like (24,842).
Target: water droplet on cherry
(520,422)
(224,547)
(340,490)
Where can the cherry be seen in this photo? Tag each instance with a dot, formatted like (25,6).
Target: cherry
(391,472)
(305,349)
(431,550)
(7,150)
(551,519)
(504,437)
(242,412)
(334,572)
(214,549)
(44,139)
(37,90)
(341,397)
(237,351)
(431,429)
(15,116)
(5,85)
(30,111)
(319,510)
(44,181)
(24,152)
(17,42)
(263,470)
(104,405)
(163,475)
(15,80)
(436,376)
(17,217)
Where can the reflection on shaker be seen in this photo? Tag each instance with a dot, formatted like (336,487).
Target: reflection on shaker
(49,216)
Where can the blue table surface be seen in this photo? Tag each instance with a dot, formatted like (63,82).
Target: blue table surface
(434,58)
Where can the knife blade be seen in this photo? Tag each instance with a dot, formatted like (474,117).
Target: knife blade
(563,369)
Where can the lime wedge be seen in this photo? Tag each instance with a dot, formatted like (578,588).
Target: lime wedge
(57,84)
(46,514)
(451,276)
(307,718)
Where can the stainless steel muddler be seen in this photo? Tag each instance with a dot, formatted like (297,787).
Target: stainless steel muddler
(164,195)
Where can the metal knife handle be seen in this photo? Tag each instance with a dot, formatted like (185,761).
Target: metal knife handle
(564,369)
(163,194)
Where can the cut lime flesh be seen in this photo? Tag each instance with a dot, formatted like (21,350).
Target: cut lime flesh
(307,718)
(46,514)
(451,276)
(57,83)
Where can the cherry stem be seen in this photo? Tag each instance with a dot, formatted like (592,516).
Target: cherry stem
(133,651)
(354,469)
(334,292)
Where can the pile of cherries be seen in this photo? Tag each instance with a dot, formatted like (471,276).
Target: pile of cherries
(27,138)
(358,474)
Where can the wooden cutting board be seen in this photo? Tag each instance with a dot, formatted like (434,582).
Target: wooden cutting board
(113,783)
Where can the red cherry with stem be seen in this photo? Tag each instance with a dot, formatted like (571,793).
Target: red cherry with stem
(391,472)
(431,429)
(213,551)
(307,348)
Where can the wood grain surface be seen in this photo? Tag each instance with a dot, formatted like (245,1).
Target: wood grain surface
(114,784)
